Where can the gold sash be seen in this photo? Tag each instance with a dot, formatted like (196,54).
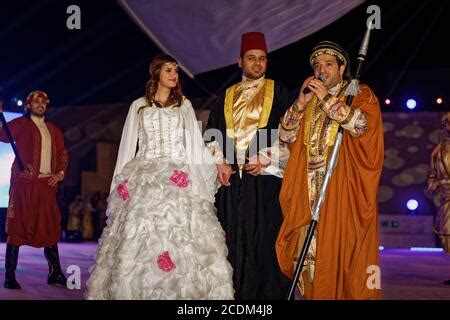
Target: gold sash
(310,113)
(265,112)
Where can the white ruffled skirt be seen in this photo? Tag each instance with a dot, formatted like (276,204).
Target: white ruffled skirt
(161,241)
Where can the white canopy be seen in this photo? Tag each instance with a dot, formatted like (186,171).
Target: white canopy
(204,35)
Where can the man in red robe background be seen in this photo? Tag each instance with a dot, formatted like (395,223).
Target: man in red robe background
(33,216)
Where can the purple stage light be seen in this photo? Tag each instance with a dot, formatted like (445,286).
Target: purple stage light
(426,249)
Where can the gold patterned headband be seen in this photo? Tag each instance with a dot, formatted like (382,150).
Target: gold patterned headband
(328,51)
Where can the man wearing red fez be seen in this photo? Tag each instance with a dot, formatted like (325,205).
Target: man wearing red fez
(33,216)
(247,114)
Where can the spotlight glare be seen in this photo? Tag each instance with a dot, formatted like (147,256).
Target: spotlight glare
(19,103)
(411,104)
(412,204)
(439,100)
(387,101)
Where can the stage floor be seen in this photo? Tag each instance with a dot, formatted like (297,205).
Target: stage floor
(406,275)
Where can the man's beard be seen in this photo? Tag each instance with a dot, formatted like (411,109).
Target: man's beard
(39,115)
(254,77)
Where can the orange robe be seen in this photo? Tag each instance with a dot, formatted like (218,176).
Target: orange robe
(347,232)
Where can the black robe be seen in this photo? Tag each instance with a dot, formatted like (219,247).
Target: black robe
(250,213)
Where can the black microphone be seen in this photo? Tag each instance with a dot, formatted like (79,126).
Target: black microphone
(321,77)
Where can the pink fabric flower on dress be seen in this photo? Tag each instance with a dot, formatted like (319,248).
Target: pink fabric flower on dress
(165,263)
(180,178)
(123,191)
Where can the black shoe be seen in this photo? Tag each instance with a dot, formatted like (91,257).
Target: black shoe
(12,255)
(11,282)
(55,275)
(57,278)
(447,282)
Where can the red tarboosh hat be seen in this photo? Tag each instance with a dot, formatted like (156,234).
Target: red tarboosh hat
(253,40)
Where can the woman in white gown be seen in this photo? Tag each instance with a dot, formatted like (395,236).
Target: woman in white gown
(162,239)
